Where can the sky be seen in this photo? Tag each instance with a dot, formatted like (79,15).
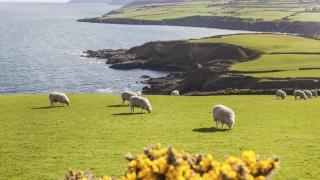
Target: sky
(33,0)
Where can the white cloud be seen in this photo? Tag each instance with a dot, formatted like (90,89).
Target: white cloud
(33,0)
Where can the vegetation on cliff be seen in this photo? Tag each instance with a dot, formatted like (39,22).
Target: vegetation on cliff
(261,63)
(292,54)
(268,10)
(95,132)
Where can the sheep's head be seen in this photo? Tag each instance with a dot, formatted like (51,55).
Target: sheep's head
(149,109)
(230,125)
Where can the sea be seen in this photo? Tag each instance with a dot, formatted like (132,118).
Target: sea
(41,46)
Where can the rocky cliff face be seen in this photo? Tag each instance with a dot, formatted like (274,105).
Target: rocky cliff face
(175,55)
(305,28)
(197,68)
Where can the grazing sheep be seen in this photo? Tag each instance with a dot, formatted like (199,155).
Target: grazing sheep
(224,115)
(280,94)
(126,95)
(137,101)
(308,93)
(314,93)
(175,93)
(300,94)
(56,97)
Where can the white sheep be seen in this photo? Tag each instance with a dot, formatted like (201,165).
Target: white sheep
(125,96)
(314,93)
(300,94)
(224,115)
(175,93)
(137,101)
(280,94)
(308,93)
(56,97)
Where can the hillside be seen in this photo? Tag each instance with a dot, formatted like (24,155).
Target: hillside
(268,16)
(231,64)
(96,131)
(259,10)
(293,55)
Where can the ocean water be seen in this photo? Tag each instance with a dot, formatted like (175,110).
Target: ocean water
(41,47)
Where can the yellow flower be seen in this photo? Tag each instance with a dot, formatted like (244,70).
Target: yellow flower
(260,178)
(276,165)
(249,157)
(133,163)
(266,164)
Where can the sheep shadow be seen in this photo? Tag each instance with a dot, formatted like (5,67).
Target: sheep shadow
(119,105)
(127,114)
(209,130)
(48,107)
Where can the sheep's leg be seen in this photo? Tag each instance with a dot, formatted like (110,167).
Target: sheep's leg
(222,125)
(132,109)
(217,124)
(123,101)
(142,110)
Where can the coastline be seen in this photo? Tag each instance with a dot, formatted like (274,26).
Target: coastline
(202,71)
(309,29)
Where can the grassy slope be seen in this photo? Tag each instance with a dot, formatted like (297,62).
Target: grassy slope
(288,74)
(307,16)
(273,10)
(42,143)
(268,43)
(273,43)
(280,62)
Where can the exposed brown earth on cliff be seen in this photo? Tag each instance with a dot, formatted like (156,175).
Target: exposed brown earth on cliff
(197,68)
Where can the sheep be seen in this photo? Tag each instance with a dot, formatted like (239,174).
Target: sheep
(175,93)
(300,94)
(308,93)
(125,96)
(314,93)
(280,94)
(62,98)
(224,115)
(137,101)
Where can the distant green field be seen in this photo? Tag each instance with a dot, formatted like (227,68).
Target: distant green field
(267,43)
(270,45)
(289,74)
(307,16)
(268,10)
(266,15)
(94,133)
(280,62)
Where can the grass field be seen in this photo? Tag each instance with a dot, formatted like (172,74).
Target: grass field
(267,43)
(306,16)
(288,74)
(280,62)
(271,46)
(269,10)
(96,131)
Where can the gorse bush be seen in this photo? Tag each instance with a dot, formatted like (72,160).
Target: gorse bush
(158,163)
